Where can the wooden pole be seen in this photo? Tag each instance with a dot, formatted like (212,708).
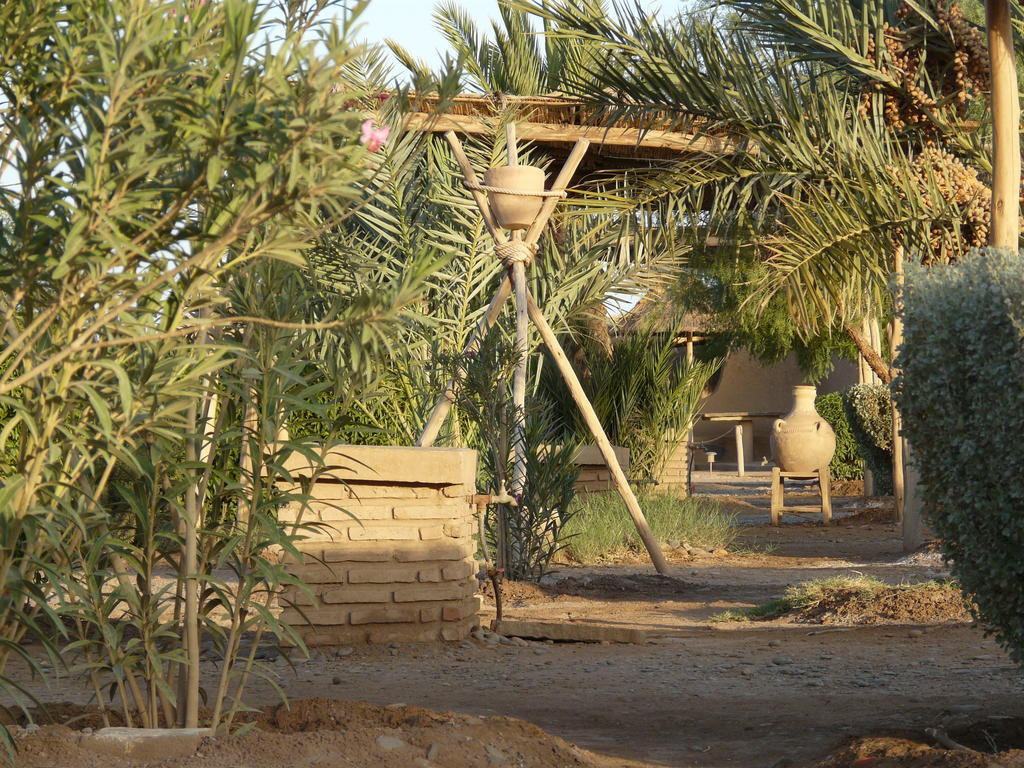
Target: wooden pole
(897,422)
(603,444)
(444,403)
(189,716)
(741,469)
(511,144)
(522,344)
(561,182)
(1005,229)
(519,379)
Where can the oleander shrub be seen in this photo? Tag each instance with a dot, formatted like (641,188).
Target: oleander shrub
(167,168)
(869,413)
(845,464)
(961,392)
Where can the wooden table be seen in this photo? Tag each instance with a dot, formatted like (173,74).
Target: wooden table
(745,419)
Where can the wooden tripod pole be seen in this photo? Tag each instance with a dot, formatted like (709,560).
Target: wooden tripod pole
(444,402)
(522,344)
(895,342)
(600,437)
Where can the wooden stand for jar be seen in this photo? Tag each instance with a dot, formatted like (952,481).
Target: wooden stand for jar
(778,494)
(517,252)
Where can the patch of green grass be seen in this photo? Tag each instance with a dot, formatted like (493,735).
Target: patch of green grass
(601,528)
(765,612)
(755,548)
(807,594)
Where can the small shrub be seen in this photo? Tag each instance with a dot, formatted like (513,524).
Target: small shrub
(960,391)
(869,413)
(845,464)
(601,527)
(521,538)
(533,531)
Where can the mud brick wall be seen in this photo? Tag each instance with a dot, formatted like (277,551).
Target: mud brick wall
(394,560)
(674,474)
(594,473)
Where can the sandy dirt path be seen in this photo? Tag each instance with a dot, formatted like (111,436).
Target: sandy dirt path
(752,695)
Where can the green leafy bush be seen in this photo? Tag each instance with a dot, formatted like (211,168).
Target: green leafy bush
(180,167)
(845,464)
(961,392)
(869,412)
(523,537)
(600,526)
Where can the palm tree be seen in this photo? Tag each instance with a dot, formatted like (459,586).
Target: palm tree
(833,114)
(517,60)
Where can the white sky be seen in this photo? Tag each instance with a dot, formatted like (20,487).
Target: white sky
(411,22)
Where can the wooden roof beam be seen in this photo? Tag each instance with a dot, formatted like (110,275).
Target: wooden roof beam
(546,133)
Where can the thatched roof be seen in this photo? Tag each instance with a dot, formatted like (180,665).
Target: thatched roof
(657,312)
(557,122)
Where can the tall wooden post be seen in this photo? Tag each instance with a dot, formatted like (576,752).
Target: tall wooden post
(1005,231)
(909,509)
(740,466)
(522,344)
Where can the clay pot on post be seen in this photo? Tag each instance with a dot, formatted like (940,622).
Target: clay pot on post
(804,441)
(516,211)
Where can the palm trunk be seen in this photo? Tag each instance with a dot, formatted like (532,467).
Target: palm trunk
(869,354)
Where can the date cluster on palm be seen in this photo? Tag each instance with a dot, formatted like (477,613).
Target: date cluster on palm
(952,64)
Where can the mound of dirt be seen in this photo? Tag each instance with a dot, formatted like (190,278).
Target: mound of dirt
(847,487)
(913,751)
(328,733)
(895,605)
(876,513)
(605,586)
(928,555)
(517,593)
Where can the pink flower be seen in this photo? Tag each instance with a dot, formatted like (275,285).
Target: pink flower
(383,96)
(373,137)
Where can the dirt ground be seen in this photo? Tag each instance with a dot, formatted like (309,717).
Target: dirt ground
(776,694)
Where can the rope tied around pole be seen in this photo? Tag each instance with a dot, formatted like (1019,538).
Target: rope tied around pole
(511,191)
(515,252)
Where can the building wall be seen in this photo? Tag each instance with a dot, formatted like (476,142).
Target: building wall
(747,385)
(594,474)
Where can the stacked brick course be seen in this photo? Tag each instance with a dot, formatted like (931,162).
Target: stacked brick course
(394,559)
(674,475)
(594,473)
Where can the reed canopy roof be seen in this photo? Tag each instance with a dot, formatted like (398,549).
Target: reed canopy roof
(555,122)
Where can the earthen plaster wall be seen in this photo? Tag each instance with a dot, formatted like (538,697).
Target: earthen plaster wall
(393,556)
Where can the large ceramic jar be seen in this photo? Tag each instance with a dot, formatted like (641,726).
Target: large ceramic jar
(520,210)
(804,441)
